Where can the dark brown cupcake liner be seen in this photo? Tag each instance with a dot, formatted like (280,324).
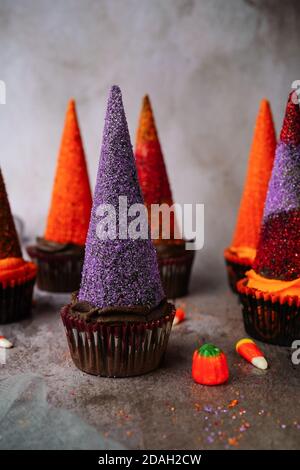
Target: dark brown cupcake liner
(16,301)
(57,272)
(236,270)
(175,273)
(122,349)
(269,318)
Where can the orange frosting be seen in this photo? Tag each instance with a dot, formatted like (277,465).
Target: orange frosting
(70,209)
(15,271)
(256,184)
(244,252)
(284,288)
(243,255)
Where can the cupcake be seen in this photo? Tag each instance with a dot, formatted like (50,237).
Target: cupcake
(240,255)
(59,253)
(119,322)
(175,262)
(270,292)
(17,276)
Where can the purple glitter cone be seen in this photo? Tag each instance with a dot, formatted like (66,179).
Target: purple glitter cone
(284,187)
(119,272)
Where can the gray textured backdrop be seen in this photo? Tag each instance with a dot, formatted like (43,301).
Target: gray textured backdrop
(205,63)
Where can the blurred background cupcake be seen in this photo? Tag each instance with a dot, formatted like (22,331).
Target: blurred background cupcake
(270,292)
(240,255)
(175,262)
(59,254)
(17,276)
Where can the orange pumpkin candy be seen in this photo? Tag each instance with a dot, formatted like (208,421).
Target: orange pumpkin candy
(209,365)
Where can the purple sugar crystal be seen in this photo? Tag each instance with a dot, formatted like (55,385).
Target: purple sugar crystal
(284,188)
(118,272)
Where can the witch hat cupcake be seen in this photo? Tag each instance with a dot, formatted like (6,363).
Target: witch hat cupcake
(17,276)
(59,254)
(175,261)
(240,255)
(270,293)
(119,322)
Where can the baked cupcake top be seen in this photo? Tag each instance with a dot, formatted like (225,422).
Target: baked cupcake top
(246,235)
(70,208)
(152,172)
(13,269)
(277,263)
(118,272)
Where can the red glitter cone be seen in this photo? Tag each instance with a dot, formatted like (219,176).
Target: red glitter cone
(174,261)
(9,241)
(278,254)
(150,164)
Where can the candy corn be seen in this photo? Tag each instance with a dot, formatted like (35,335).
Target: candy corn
(4,343)
(179,316)
(209,365)
(249,351)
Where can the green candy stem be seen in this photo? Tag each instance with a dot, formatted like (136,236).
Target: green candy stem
(209,350)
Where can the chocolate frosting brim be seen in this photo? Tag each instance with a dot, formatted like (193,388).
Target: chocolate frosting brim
(54,247)
(138,313)
(171,249)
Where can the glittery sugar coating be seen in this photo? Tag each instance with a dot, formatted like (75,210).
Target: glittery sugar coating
(260,165)
(284,187)
(290,132)
(71,202)
(152,172)
(278,253)
(118,272)
(9,241)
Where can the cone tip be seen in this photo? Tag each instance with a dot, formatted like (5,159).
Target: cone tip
(264,103)
(71,104)
(290,132)
(115,90)
(146,99)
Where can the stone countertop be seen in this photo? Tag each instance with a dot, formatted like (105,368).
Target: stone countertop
(166,409)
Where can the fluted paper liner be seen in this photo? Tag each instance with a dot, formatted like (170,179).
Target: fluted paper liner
(57,272)
(120,349)
(175,274)
(16,301)
(269,317)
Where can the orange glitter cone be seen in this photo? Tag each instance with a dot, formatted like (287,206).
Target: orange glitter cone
(71,203)
(256,185)
(240,255)
(249,351)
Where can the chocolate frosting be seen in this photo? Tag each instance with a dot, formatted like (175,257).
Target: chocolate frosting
(116,314)
(171,249)
(53,247)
